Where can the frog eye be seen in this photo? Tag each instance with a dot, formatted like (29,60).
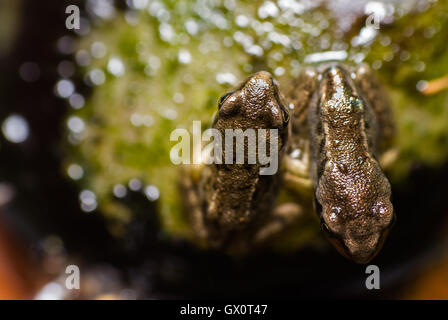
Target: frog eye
(393,220)
(327,230)
(285,115)
(224,98)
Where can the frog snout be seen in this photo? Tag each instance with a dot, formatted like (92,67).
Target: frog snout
(363,249)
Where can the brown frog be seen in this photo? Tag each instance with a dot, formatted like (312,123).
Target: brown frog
(340,127)
(226,200)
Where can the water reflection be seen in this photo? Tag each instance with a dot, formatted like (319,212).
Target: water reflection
(15,128)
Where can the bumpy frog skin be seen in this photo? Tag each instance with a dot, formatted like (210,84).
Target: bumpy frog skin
(341,120)
(233,196)
(352,195)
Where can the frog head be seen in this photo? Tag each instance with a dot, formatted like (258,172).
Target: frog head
(256,103)
(356,214)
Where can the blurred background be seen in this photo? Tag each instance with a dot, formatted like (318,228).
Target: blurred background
(85,117)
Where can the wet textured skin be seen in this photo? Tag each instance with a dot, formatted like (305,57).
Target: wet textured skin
(235,196)
(352,194)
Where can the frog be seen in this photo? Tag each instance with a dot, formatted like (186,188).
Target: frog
(335,136)
(227,202)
